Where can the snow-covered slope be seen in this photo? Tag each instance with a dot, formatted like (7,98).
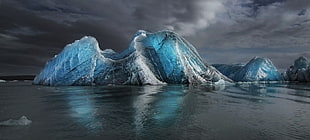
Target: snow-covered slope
(151,58)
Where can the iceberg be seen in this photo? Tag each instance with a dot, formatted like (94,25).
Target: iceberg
(151,58)
(299,71)
(257,69)
(21,121)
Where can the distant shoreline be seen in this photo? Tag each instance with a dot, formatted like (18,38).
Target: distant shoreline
(17,77)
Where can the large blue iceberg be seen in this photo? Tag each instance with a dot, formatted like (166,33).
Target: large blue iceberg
(151,58)
(300,71)
(257,69)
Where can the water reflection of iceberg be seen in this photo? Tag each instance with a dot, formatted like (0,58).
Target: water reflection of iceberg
(101,110)
(259,92)
(80,101)
(157,107)
(299,89)
(256,89)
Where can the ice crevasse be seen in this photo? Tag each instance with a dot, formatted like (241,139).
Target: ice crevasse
(151,58)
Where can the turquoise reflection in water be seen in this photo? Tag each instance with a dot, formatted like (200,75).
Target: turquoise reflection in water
(157,108)
(167,103)
(106,108)
(80,101)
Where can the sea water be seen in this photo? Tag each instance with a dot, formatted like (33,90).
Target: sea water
(237,111)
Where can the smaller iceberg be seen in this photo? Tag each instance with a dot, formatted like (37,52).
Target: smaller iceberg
(20,122)
(2,81)
(300,71)
(257,69)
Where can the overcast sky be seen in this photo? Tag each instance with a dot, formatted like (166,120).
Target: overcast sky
(223,31)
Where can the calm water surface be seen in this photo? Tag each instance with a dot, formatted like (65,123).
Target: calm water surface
(240,111)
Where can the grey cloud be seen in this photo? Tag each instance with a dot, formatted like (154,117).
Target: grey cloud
(6,37)
(186,17)
(273,27)
(27,31)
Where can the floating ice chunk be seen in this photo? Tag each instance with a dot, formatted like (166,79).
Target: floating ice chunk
(21,121)
(2,81)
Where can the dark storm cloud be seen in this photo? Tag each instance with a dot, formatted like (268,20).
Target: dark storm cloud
(37,30)
(47,25)
(29,38)
(113,22)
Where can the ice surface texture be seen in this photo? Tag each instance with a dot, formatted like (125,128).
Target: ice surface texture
(21,121)
(151,58)
(257,69)
(300,71)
